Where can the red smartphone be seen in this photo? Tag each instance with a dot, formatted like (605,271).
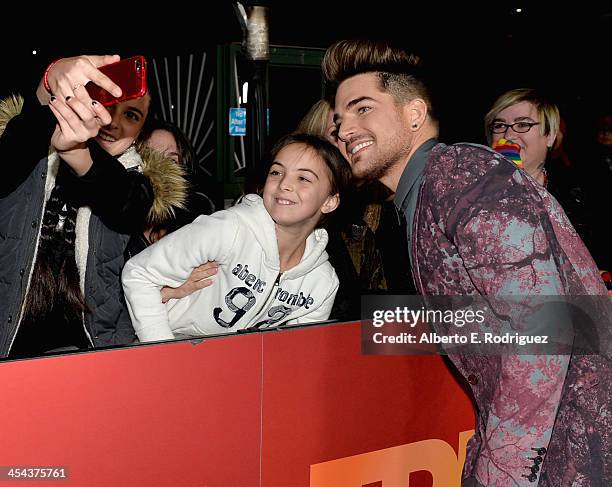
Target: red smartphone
(131,76)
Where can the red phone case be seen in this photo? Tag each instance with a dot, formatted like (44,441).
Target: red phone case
(131,76)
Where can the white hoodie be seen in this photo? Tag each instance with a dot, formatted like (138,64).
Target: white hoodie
(248,290)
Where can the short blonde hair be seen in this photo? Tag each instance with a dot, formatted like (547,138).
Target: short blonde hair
(315,121)
(548,113)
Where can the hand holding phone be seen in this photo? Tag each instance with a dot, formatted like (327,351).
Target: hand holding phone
(129,74)
(63,76)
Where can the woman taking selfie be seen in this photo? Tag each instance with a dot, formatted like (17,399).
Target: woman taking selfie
(66,212)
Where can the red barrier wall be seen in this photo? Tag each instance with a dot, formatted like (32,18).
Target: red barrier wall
(299,407)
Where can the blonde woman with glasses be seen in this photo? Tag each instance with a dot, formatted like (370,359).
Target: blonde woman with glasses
(526,118)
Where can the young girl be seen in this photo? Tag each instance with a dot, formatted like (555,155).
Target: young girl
(273,264)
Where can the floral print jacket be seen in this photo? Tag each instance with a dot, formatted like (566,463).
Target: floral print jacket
(484,227)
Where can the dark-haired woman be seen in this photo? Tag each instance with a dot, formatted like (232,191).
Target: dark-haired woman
(66,213)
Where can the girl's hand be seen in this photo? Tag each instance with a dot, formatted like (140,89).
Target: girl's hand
(198,279)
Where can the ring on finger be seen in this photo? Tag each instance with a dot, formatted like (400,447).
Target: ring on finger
(74,88)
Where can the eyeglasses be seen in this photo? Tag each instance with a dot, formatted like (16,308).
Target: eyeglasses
(518,127)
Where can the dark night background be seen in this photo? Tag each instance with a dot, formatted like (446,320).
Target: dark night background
(475,51)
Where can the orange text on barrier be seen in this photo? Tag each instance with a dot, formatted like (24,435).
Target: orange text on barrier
(391,467)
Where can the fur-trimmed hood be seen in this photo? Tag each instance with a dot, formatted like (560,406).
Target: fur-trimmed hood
(168,181)
(9,107)
(166,176)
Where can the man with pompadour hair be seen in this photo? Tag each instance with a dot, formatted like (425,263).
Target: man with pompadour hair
(478,225)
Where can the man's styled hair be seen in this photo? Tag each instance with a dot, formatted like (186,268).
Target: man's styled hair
(548,113)
(400,74)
